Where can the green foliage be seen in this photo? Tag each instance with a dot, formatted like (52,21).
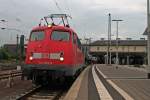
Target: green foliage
(4,54)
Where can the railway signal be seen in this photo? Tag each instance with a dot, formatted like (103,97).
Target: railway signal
(22,46)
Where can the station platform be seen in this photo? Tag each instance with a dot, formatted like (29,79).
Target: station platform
(103,82)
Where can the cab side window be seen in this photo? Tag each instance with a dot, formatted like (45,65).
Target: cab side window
(74,38)
(78,43)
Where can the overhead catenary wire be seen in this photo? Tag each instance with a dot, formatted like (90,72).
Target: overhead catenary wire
(67,7)
(66,4)
(69,10)
(58,7)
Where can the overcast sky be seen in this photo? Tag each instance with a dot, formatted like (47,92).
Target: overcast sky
(90,17)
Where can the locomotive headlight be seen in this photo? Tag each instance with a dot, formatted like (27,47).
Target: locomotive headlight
(61,59)
(31,58)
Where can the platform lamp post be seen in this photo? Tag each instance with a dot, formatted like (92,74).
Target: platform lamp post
(88,42)
(117,23)
(108,41)
(148,37)
(86,48)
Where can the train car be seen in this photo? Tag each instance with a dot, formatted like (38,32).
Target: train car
(53,51)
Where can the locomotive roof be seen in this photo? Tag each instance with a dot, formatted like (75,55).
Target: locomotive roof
(52,27)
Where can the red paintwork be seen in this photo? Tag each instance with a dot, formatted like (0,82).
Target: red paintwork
(72,54)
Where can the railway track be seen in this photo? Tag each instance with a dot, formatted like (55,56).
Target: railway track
(47,95)
(55,92)
(10,74)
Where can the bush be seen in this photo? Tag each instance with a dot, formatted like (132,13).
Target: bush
(4,54)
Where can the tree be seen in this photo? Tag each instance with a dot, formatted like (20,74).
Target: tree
(4,54)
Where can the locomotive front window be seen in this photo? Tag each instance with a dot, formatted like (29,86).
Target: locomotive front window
(60,36)
(37,36)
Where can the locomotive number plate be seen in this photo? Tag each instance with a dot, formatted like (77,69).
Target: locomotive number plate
(54,55)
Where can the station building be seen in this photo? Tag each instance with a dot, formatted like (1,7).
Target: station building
(130,52)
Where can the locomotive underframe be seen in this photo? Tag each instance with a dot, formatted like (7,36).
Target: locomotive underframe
(44,72)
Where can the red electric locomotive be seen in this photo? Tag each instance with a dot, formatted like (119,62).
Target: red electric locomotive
(53,51)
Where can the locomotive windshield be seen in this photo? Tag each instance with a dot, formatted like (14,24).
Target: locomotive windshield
(37,35)
(60,36)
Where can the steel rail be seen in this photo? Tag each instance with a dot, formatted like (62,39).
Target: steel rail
(29,93)
(36,92)
(11,74)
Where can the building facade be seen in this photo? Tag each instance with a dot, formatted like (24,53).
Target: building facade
(129,51)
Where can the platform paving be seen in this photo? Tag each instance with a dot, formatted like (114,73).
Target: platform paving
(103,82)
(88,89)
(134,83)
(84,87)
